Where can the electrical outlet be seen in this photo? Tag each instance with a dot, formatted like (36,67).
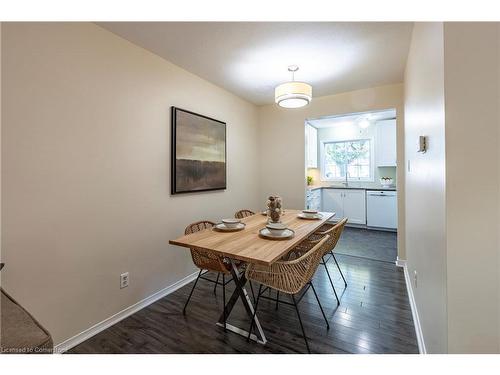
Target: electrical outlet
(124,280)
(415,278)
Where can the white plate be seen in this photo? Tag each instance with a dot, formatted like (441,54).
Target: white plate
(286,234)
(312,217)
(222,228)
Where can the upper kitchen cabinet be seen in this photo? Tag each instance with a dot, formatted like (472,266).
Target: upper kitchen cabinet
(385,147)
(312,146)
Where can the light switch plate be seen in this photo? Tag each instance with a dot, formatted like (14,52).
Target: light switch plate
(422,144)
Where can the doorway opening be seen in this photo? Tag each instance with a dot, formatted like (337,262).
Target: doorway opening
(351,169)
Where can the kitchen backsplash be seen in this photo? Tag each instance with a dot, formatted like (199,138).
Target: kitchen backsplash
(379,172)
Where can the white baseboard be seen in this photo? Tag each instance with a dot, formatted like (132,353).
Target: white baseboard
(106,323)
(400,262)
(413,305)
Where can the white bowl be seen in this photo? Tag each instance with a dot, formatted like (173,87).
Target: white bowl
(231,223)
(276,228)
(386,182)
(309,213)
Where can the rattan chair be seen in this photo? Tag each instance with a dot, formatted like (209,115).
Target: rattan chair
(334,231)
(243,213)
(209,262)
(290,277)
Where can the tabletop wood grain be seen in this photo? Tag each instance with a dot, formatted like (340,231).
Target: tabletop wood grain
(246,245)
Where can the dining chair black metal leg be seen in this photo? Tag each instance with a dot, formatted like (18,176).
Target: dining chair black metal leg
(319,303)
(254,312)
(190,294)
(216,282)
(331,282)
(223,298)
(251,288)
(301,325)
(337,263)
(277,299)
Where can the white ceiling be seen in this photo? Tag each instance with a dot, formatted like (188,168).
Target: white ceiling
(352,118)
(251,58)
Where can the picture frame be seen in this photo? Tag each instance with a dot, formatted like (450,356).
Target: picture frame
(198,152)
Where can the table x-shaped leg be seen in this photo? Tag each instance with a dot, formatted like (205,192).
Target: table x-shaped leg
(241,292)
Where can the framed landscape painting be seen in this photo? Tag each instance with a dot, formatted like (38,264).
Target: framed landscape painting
(198,152)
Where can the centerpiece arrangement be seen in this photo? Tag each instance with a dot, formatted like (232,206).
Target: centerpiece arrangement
(275,229)
(274,209)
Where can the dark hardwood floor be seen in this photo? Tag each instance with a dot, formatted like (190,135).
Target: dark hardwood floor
(374,317)
(367,243)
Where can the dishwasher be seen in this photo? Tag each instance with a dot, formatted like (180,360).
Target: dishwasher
(381,209)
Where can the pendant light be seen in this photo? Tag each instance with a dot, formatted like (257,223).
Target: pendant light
(293,94)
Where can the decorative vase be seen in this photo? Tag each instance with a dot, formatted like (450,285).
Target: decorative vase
(274,209)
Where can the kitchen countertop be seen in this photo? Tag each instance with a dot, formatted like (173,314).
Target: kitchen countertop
(378,188)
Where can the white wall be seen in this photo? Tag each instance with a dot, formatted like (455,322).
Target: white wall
(425,182)
(85,167)
(282,143)
(472,185)
(452,191)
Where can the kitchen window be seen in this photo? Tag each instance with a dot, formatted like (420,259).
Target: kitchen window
(354,157)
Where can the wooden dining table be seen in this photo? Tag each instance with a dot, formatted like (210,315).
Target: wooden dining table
(248,246)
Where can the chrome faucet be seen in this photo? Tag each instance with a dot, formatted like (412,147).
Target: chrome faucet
(346,183)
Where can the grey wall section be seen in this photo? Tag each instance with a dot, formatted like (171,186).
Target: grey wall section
(472,185)
(86,166)
(425,181)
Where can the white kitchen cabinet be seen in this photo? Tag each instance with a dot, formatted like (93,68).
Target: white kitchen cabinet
(355,206)
(312,146)
(385,146)
(350,203)
(332,201)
